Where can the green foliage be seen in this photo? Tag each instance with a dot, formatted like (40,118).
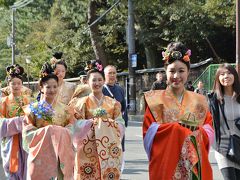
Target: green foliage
(44,27)
(5,51)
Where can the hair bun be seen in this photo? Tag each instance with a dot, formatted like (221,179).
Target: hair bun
(15,70)
(58,55)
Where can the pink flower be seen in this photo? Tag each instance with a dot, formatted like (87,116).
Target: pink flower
(163,53)
(99,66)
(189,53)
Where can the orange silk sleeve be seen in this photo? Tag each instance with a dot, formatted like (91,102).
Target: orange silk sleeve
(3,108)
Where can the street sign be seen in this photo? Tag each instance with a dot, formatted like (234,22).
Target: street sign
(134,60)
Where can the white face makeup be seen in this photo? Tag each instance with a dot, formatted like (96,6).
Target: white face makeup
(60,72)
(96,82)
(50,89)
(177,74)
(15,86)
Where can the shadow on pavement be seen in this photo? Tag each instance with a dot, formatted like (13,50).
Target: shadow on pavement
(133,141)
(135,163)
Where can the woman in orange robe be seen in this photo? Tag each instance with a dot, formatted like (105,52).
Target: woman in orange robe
(13,155)
(97,133)
(177,125)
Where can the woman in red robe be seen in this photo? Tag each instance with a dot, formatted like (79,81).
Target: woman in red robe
(177,127)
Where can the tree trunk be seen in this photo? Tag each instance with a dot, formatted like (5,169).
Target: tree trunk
(151,57)
(96,40)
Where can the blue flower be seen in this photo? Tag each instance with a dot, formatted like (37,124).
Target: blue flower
(42,110)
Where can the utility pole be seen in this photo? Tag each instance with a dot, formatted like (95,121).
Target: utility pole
(237,38)
(14,8)
(131,55)
(13,44)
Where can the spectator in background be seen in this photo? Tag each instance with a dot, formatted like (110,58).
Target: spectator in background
(200,89)
(81,90)
(83,79)
(189,86)
(224,103)
(159,84)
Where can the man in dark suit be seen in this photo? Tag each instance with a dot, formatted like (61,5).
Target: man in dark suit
(159,84)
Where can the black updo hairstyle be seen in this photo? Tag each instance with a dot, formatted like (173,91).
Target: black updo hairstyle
(14,71)
(176,51)
(46,74)
(94,71)
(57,59)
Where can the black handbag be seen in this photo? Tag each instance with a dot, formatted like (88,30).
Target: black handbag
(237,123)
(234,149)
(233,152)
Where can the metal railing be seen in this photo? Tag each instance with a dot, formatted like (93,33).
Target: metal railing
(208,76)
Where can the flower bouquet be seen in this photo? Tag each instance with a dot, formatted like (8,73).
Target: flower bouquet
(42,113)
(99,112)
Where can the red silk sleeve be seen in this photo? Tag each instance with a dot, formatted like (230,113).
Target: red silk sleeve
(208,121)
(148,119)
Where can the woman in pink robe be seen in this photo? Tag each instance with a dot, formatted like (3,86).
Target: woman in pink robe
(47,138)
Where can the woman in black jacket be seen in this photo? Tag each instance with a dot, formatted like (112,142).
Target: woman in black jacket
(225,101)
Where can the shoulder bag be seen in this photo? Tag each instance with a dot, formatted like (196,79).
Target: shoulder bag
(233,152)
(237,123)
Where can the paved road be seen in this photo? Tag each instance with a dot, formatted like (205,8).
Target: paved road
(136,167)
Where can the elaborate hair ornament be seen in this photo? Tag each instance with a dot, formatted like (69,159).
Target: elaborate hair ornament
(46,70)
(14,70)
(43,74)
(94,64)
(99,67)
(53,60)
(176,55)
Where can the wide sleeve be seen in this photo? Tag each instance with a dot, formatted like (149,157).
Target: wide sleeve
(5,91)
(148,120)
(124,108)
(28,133)
(79,108)
(3,106)
(117,116)
(10,126)
(207,131)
